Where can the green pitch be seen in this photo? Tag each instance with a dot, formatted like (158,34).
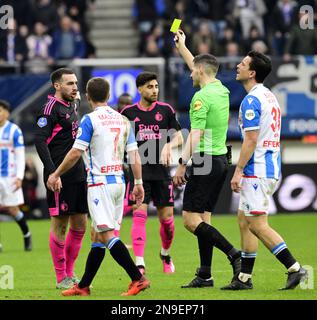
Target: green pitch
(34,276)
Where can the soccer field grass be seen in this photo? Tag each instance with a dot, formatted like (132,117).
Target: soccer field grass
(34,277)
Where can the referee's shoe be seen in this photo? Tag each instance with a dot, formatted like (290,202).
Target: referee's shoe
(236,265)
(237,284)
(199,282)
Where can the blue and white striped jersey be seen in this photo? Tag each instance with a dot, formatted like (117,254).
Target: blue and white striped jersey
(12,158)
(260,110)
(104,134)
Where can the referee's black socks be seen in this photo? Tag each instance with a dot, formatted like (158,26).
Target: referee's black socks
(211,236)
(205,254)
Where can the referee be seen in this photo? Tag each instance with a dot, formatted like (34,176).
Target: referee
(206,145)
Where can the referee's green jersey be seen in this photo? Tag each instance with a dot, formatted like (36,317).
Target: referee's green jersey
(209,111)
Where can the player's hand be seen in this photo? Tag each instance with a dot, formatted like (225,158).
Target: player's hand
(17,184)
(179,178)
(51,181)
(138,194)
(236,180)
(58,185)
(166,155)
(179,38)
(54,183)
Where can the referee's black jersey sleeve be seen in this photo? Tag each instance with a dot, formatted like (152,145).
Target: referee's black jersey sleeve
(44,130)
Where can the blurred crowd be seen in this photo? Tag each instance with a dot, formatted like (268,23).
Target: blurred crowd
(226,27)
(44,31)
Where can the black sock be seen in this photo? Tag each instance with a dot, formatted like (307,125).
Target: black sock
(21,221)
(286,258)
(215,238)
(121,254)
(247,262)
(205,253)
(233,254)
(93,262)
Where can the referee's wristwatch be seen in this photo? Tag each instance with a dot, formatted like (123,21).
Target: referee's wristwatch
(182,162)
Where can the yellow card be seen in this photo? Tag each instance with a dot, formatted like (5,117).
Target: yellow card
(175,25)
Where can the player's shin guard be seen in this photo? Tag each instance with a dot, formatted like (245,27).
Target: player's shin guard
(138,232)
(58,254)
(72,246)
(167,230)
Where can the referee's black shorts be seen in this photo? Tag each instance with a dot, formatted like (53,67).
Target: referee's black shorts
(207,176)
(71,200)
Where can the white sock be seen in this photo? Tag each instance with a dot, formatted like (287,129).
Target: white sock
(165,252)
(294,268)
(139,261)
(244,277)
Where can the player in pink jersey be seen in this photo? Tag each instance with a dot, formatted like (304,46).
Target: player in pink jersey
(157,131)
(56,129)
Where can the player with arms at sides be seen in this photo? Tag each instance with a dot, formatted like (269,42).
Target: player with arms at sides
(258,171)
(206,146)
(157,131)
(12,162)
(103,136)
(56,129)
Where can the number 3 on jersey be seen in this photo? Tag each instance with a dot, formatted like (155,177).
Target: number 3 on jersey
(276,124)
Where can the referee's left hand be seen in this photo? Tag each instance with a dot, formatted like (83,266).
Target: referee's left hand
(179,177)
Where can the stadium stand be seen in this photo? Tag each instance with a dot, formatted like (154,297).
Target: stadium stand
(55,33)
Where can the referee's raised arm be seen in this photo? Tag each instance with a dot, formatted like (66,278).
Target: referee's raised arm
(179,40)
